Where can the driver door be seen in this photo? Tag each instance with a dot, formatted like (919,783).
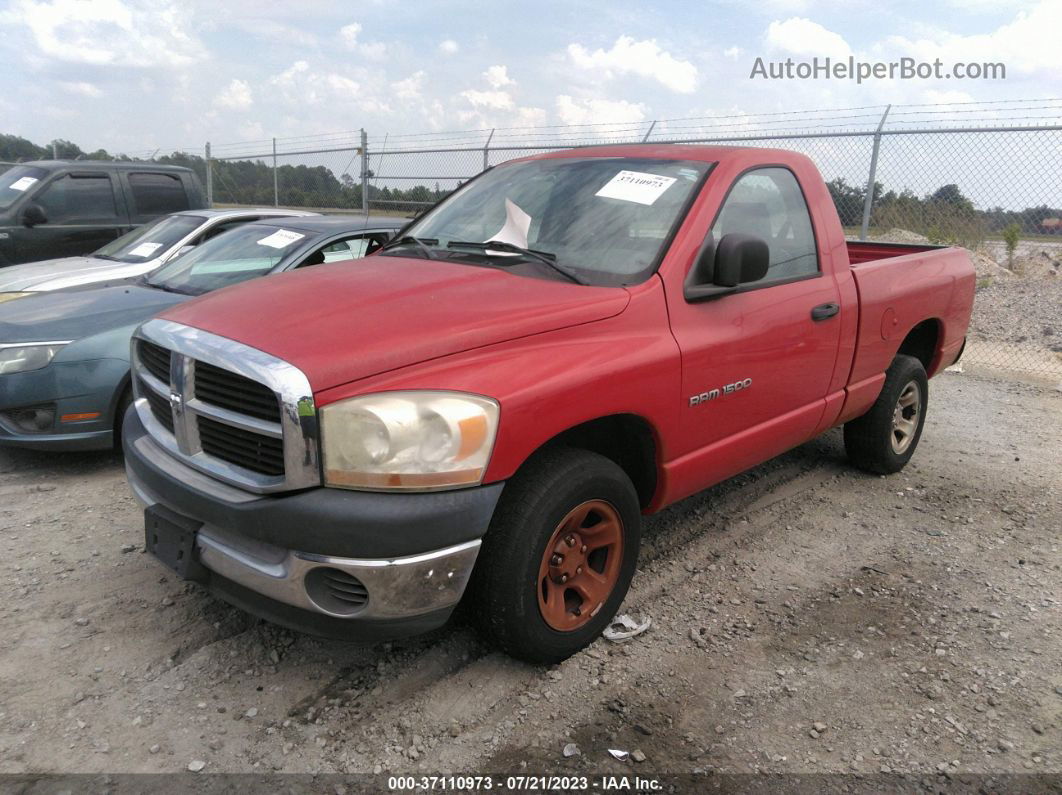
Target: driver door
(756,366)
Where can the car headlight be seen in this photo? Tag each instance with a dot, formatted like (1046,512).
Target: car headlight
(408,441)
(12,296)
(20,357)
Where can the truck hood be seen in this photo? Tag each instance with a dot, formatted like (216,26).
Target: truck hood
(55,274)
(81,312)
(346,321)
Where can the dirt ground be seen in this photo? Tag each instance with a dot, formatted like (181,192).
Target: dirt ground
(807,618)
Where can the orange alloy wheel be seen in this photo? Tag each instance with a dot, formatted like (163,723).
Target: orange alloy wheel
(580,566)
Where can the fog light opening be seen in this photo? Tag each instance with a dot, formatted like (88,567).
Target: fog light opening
(31,419)
(335,591)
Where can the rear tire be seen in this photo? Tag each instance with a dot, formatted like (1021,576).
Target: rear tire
(883,440)
(559,556)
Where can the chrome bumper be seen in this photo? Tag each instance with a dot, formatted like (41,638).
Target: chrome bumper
(397,588)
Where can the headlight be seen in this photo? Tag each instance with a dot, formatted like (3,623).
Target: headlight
(12,296)
(408,441)
(20,357)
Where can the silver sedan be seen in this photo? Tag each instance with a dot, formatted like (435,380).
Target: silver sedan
(133,254)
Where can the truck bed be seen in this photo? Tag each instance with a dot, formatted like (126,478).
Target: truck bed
(860,252)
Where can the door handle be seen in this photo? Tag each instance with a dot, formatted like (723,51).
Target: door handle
(824,311)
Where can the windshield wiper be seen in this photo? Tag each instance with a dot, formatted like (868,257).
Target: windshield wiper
(105,256)
(420,242)
(166,288)
(545,257)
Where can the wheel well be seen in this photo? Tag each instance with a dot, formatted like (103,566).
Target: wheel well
(626,439)
(921,342)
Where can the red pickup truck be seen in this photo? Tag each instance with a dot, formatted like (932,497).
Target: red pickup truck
(567,342)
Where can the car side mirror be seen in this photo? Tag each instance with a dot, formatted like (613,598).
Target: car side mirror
(722,267)
(33,215)
(740,259)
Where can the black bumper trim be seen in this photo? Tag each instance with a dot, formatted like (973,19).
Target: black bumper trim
(327,521)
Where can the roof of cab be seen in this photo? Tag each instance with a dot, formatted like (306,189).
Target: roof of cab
(699,152)
(106,165)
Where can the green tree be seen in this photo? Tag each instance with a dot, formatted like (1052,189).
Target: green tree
(1011,235)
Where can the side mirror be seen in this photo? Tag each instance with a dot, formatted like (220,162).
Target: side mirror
(33,215)
(740,259)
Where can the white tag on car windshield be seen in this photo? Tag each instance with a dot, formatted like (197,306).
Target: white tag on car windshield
(23,183)
(282,238)
(145,249)
(636,186)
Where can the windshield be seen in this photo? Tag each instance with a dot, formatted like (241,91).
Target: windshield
(16,181)
(604,218)
(150,240)
(229,258)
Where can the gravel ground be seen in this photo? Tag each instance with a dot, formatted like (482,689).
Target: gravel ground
(807,618)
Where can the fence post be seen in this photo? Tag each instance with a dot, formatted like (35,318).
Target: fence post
(486,151)
(868,200)
(276,192)
(209,176)
(649,131)
(364,172)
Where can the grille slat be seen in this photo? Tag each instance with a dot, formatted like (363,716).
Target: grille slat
(235,392)
(160,407)
(262,454)
(156,360)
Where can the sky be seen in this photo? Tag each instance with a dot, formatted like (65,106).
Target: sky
(133,75)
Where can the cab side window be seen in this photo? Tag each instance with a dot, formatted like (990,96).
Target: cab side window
(157,194)
(354,247)
(73,198)
(769,204)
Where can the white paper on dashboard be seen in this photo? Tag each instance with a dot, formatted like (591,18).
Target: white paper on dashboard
(145,249)
(515,229)
(282,238)
(22,183)
(636,186)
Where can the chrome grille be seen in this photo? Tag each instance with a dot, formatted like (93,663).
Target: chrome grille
(247,449)
(229,410)
(156,360)
(160,407)
(234,392)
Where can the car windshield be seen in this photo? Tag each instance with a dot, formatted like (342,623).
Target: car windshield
(16,181)
(604,220)
(150,240)
(231,257)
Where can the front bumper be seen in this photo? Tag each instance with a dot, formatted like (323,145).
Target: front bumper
(412,554)
(72,388)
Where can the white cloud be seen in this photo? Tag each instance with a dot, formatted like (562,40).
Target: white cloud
(598,111)
(349,34)
(376,51)
(449,47)
(642,58)
(496,100)
(800,36)
(235,96)
(1027,45)
(409,88)
(498,76)
(733,53)
(85,89)
(278,32)
(109,32)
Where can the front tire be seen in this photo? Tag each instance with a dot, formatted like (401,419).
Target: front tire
(559,556)
(883,440)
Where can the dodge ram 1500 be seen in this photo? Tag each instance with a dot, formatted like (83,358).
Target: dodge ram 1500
(485,409)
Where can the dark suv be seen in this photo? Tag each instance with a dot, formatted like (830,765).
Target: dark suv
(53,208)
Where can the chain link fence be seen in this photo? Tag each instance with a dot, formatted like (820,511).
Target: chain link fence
(982,175)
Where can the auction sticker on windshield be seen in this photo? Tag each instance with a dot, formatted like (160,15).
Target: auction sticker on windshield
(636,186)
(145,249)
(282,238)
(23,183)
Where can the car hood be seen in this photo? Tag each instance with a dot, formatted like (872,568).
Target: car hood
(55,274)
(81,312)
(346,321)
